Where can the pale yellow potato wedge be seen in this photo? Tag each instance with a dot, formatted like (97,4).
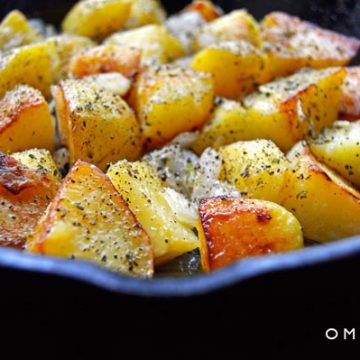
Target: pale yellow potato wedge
(339,148)
(235,228)
(350,109)
(257,168)
(34,65)
(168,218)
(157,44)
(237,67)
(25,193)
(207,9)
(97,18)
(25,121)
(89,220)
(237,25)
(15,31)
(171,100)
(95,124)
(327,207)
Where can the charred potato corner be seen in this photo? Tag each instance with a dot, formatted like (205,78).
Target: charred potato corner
(138,141)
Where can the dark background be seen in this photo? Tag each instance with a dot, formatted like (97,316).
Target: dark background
(277,315)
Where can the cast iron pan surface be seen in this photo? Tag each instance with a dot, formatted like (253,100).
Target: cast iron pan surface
(315,269)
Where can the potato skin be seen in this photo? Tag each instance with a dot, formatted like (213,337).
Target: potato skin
(15,31)
(339,148)
(257,168)
(166,216)
(89,220)
(25,193)
(157,44)
(106,59)
(327,207)
(96,18)
(237,67)
(235,228)
(316,47)
(95,124)
(171,100)
(25,121)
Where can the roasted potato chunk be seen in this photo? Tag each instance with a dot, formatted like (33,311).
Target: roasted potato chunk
(66,46)
(25,193)
(236,66)
(15,31)
(350,109)
(287,110)
(228,123)
(206,9)
(168,218)
(32,65)
(237,25)
(319,48)
(145,12)
(327,207)
(97,18)
(257,168)
(25,121)
(171,100)
(40,160)
(157,44)
(105,59)
(235,228)
(95,124)
(89,220)
(339,148)
(284,111)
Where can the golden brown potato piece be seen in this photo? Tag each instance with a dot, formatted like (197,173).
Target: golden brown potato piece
(284,111)
(237,25)
(31,64)
(257,168)
(327,207)
(66,46)
(15,31)
(89,220)
(350,109)
(144,12)
(287,110)
(157,44)
(95,124)
(25,121)
(40,160)
(318,47)
(206,9)
(168,218)
(97,18)
(171,100)
(237,67)
(235,228)
(24,196)
(105,59)
(339,148)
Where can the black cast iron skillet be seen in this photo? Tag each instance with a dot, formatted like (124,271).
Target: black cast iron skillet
(317,267)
